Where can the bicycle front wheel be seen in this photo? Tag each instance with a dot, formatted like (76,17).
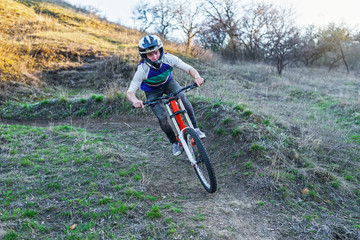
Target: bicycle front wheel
(203,167)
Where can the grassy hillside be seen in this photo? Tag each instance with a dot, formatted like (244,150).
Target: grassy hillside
(38,36)
(78,163)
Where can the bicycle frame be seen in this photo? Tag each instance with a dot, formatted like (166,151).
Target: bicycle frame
(175,109)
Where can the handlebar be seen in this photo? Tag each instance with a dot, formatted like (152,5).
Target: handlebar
(171,95)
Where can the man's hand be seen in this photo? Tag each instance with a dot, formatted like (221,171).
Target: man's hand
(138,104)
(199,81)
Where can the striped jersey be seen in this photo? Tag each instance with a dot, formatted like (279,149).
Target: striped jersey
(149,79)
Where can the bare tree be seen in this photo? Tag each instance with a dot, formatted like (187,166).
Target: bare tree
(282,38)
(356,37)
(163,13)
(333,39)
(212,37)
(143,13)
(158,16)
(224,15)
(309,51)
(254,28)
(188,21)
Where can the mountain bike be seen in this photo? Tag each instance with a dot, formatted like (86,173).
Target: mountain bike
(188,138)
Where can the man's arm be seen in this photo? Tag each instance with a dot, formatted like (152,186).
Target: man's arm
(195,74)
(135,101)
(177,62)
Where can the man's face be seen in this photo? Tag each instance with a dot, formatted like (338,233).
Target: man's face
(153,56)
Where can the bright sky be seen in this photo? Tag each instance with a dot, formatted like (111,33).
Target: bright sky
(322,12)
(317,12)
(118,11)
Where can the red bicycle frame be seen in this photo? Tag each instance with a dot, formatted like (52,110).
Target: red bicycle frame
(175,112)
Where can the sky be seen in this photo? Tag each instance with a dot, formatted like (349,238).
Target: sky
(317,12)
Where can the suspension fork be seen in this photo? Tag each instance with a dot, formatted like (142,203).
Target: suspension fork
(180,126)
(185,114)
(175,115)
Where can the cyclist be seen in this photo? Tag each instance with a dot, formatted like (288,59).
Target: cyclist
(153,76)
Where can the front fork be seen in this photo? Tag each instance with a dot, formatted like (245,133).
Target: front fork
(180,131)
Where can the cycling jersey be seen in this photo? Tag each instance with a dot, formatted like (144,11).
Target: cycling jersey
(149,79)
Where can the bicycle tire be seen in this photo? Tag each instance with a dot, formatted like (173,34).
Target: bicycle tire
(203,167)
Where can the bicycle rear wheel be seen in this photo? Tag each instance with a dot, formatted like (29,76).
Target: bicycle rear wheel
(203,167)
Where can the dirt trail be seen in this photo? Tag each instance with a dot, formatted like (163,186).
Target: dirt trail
(230,213)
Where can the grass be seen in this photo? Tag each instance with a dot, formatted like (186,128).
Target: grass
(63,107)
(300,123)
(53,35)
(61,183)
(154,212)
(265,152)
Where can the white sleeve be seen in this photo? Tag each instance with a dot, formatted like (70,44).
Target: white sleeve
(178,63)
(135,83)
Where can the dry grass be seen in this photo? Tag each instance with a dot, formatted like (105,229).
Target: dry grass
(38,38)
(112,90)
(316,109)
(37,35)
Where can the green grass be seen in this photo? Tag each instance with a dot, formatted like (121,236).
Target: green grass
(240,107)
(72,107)
(154,213)
(54,173)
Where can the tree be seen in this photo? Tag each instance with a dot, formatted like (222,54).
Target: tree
(223,14)
(158,17)
(282,38)
(186,16)
(212,37)
(309,51)
(333,40)
(143,14)
(254,28)
(163,13)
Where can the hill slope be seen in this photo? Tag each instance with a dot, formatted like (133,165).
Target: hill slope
(37,36)
(38,39)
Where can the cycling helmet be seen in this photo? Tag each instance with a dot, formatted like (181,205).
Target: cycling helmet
(150,43)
